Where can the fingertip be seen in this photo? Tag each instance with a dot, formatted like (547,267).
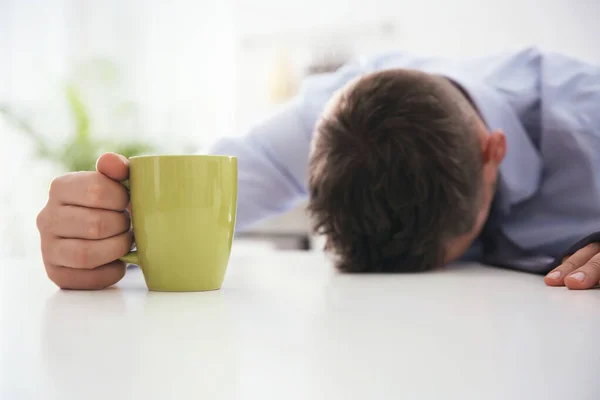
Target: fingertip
(571,284)
(114,166)
(554,278)
(553,282)
(576,284)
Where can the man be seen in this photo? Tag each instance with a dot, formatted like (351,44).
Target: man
(408,162)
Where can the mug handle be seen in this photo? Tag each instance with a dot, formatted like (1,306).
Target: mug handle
(132,256)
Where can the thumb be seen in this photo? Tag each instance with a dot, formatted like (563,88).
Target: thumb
(114,166)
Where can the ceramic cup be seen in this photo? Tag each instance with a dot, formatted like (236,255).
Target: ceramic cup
(183,214)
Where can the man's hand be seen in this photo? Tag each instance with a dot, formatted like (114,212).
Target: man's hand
(85,227)
(578,271)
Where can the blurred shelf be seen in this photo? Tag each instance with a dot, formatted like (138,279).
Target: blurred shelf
(290,230)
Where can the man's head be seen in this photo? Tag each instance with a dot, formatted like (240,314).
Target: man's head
(402,173)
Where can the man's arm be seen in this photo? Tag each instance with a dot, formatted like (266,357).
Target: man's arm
(567,208)
(273,154)
(272,163)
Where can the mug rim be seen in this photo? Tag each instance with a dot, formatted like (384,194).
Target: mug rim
(182,156)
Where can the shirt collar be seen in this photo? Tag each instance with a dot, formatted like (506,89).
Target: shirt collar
(521,170)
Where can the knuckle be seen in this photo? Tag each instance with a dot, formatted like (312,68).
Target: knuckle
(56,186)
(95,227)
(82,257)
(594,264)
(95,193)
(47,220)
(569,265)
(40,221)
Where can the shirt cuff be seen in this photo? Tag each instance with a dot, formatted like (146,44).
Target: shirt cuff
(594,237)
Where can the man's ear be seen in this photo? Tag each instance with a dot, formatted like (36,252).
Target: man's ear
(494,147)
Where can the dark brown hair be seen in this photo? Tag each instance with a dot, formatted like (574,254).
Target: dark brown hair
(395,172)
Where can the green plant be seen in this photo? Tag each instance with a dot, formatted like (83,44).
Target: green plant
(80,151)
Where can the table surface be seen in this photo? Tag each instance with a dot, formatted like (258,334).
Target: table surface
(286,326)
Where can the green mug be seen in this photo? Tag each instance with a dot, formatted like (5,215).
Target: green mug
(183,211)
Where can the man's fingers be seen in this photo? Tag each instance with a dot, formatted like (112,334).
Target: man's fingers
(89,189)
(582,256)
(114,166)
(585,277)
(86,279)
(86,254)
(76,222)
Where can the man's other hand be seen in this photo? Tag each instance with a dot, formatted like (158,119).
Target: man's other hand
(580,270)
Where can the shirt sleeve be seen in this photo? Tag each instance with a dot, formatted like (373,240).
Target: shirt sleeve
(554,99)
(562,119)
(273,154)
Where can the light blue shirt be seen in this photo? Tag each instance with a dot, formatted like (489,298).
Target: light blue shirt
(548,106)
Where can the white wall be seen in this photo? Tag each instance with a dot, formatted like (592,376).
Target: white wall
(440,27)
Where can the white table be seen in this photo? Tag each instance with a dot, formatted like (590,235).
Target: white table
(286,326)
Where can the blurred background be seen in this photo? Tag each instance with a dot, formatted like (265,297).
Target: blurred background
(79,77)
